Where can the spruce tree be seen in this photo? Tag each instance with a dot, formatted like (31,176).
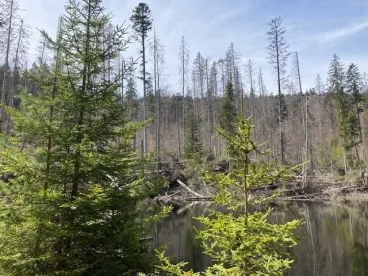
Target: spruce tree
(142,24)
(353,86)
(193,147)
(336,76)
(131,100)
(347,120)
(71,206)
(241,241)
(228,110)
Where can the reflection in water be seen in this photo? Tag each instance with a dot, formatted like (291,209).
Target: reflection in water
(334,238)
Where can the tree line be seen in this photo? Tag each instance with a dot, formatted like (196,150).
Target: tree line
(299,124)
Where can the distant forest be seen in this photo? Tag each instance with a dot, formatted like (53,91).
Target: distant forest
(325,124)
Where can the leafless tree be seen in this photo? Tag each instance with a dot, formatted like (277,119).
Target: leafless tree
(8,36)
(20,56)
(278,54)
(184,57)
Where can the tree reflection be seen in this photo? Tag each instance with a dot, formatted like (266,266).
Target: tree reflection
(334,237)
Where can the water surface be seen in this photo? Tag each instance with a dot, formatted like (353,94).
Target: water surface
(334,237)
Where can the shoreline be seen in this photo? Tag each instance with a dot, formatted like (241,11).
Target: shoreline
(348,193)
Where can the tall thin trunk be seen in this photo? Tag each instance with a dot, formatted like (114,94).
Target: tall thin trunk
(80,121)
(157,96)
(158,112)
(281,129)
(252,95)
(209,108)
(144,95)
(202,103)
(222,77)
(51,118)
(307,143)
(194,98)
(43,51)
(183,87)
(178,126)
(6,65)
(122,79)
(10,100)
(214,110)
(361,138)
(305,122)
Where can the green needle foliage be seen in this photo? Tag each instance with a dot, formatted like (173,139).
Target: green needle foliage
(193,146)
(228,109)
(241,241)
(70,208)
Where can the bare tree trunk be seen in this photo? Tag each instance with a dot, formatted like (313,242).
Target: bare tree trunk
(194,98)
(278,54)
(361,138)
(209,109)
(178,126)
(183,93)
(43,49)
(51,118)
(252,96)
(4,94)
(305,123)
(202,106)
(222,77)
(307,144)
(344,160)
(282,142)
(157,102)
(214,106)
(144,96)
(184,59)
(13,84)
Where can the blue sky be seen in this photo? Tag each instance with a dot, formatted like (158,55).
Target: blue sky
(315,28)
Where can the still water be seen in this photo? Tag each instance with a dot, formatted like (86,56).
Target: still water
(334,237)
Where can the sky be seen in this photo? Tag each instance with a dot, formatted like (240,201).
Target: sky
(315,28)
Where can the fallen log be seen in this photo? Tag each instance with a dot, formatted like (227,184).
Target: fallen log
(330,191)
(267,187)
(199,198)
(187,188)
(186,207)
(166,197)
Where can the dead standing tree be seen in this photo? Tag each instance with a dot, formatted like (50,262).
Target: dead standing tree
(8,33)
(184,57)
(278,54)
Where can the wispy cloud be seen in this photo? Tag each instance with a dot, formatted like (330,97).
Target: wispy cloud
(210,26)
(342,32)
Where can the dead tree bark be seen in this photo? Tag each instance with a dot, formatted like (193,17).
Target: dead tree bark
(13,6)
(278,55)
(22,35)
(305,122)
(184,60)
